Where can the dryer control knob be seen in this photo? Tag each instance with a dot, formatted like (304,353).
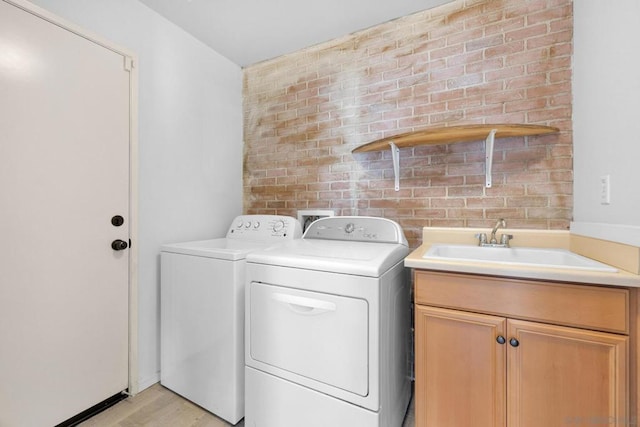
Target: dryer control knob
(256,224)
(349,228)
(278,226)
(248,224)
(239,224)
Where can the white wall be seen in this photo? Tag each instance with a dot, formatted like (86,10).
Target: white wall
(606,113)
(190,141)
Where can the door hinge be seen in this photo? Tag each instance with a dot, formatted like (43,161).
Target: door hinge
(128,63)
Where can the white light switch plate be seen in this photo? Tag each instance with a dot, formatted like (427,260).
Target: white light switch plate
(605,189)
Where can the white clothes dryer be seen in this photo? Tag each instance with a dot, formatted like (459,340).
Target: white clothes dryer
(202,312)
(327,329)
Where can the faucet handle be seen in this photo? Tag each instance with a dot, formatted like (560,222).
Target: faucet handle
(482,238)
(504,239)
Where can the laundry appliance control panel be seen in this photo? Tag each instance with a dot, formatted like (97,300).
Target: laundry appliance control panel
(356,228)
(264,227)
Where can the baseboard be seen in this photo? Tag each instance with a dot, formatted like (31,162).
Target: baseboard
(144,383)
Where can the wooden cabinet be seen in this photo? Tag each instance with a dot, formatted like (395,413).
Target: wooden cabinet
(480,362)
(565,376)
(460,370)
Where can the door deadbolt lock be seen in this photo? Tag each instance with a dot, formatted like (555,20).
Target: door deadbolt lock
(119,245)
(117,221)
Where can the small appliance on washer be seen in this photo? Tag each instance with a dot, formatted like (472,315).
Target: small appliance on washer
(327,329)
(202,312)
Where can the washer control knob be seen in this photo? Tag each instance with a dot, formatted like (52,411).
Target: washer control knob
(248,224)
(239,223)
(256,224)
(349,228)
(278,226)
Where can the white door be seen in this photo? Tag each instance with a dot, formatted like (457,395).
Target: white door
(64,173)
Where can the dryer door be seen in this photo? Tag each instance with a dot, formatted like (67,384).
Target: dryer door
(319,336)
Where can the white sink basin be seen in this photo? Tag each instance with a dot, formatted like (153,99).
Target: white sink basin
(526,257)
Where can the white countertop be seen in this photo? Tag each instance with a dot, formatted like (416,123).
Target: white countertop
(530,238)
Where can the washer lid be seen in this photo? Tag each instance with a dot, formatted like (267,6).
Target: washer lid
(227,249)
(357,258)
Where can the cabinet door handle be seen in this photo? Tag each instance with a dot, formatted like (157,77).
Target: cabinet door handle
(501,339)
(514,342)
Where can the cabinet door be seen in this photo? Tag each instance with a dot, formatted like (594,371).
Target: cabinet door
(460,369)
(559,376)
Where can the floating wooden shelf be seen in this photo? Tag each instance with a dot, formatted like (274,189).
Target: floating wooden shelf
(451,134)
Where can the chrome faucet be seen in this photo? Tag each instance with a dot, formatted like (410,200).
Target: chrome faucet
(493,241)
(501,223)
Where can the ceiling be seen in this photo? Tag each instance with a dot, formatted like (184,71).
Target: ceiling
(250,31)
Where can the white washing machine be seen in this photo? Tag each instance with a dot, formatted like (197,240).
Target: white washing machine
(202,312)
(327,329)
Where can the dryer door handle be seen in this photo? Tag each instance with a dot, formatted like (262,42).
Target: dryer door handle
(304,305)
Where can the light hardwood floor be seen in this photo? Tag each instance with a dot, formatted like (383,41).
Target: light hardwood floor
(158,406)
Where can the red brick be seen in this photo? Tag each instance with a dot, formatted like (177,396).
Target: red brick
(430,213)
(505,73)
(465,169)
(448,203)
(485,42)
(306,111)
(550,189)
(429,45)
(561,24)
(510,213)
(431,108)
(505,25)
(484,111)
(504,49)
(465,80)
(545,213)
(430,192)
(559,63)
(504,96)
(549,114)
(506,190)
(550,89)
(465,58)
(428,88)
(536,103)
(549,14)
(527,201)
(484,20)
(464,36)
(485,202)
(484,66)
(465,213)
(550,40)
(448,73)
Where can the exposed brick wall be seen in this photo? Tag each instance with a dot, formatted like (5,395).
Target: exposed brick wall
(466,62)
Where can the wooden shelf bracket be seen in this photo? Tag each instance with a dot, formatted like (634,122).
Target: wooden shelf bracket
(395,156)
(488,148)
